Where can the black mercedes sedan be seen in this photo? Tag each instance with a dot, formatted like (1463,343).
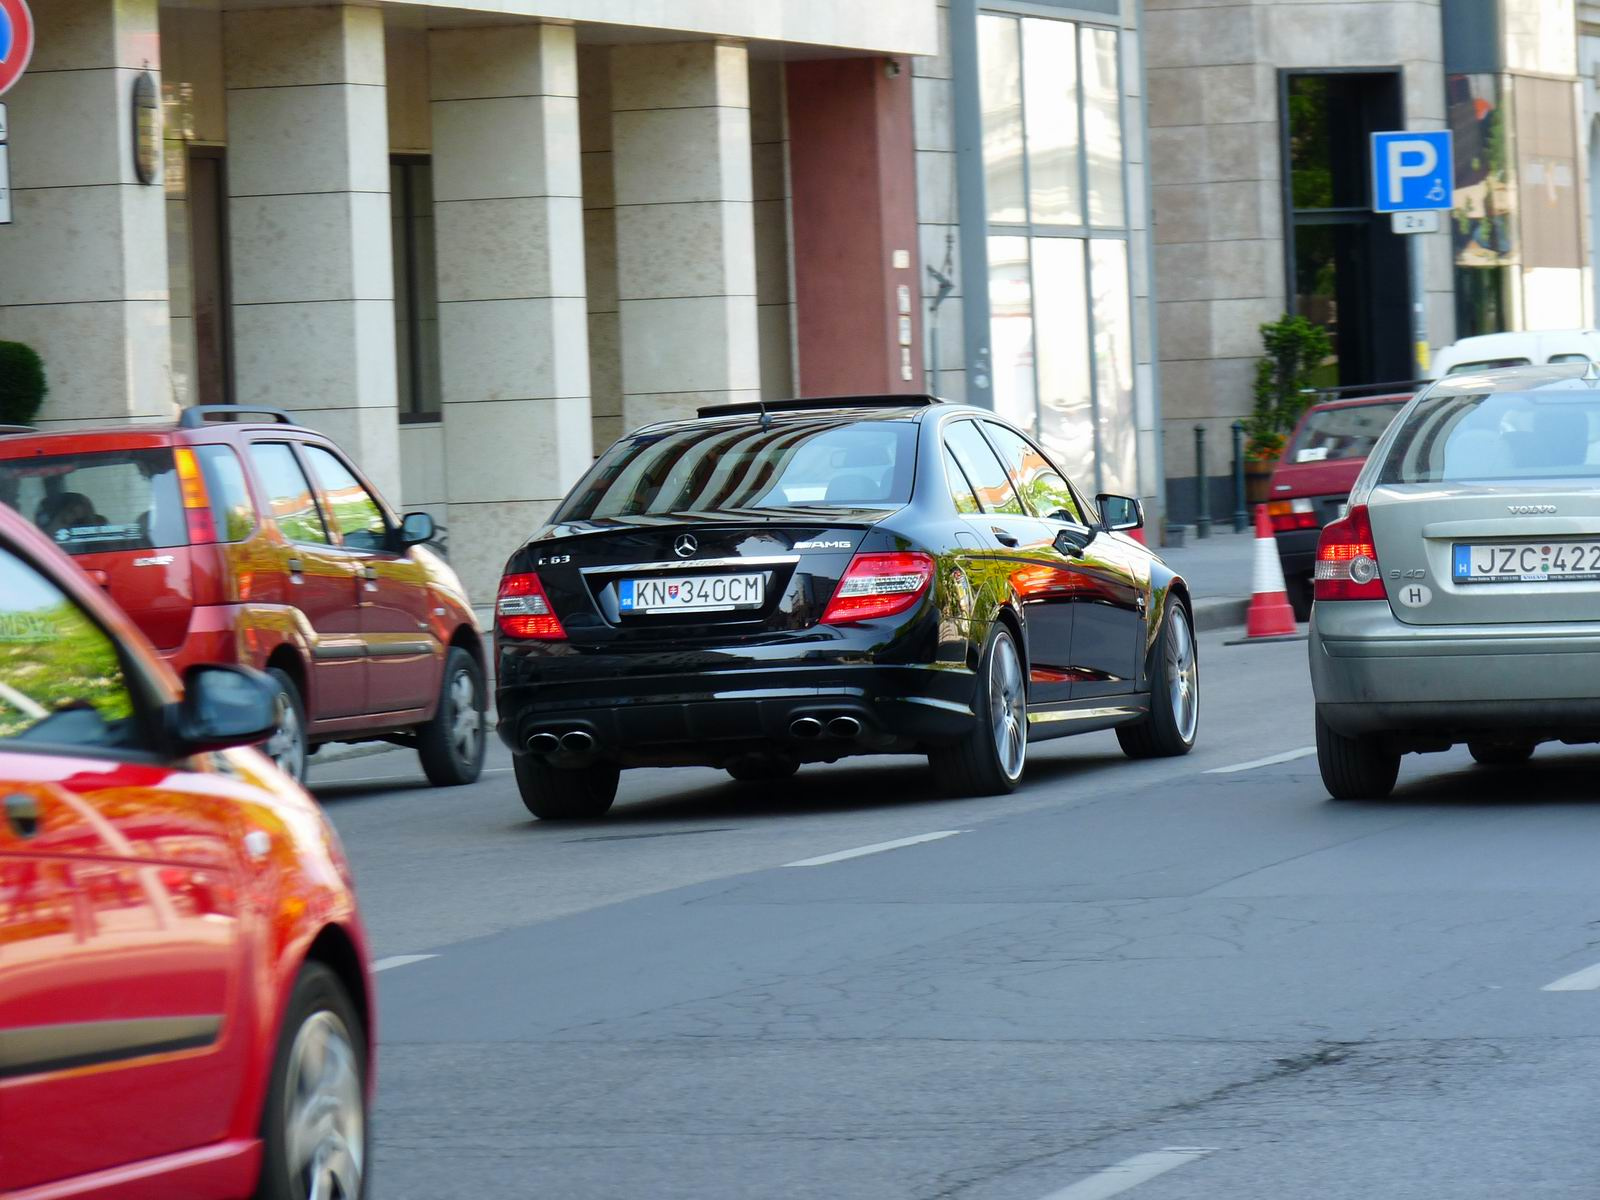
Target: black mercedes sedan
(794,582)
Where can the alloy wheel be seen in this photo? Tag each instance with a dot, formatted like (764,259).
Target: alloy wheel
(286,747)
(1183,675)
(1008,707)
(324,1116)
(466,722)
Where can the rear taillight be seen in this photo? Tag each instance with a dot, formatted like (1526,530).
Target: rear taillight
(1289,515)
(196,503)
(1347,560)
(879,585)
(522,610)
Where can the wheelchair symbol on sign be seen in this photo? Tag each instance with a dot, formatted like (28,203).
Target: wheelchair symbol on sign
(1436,192)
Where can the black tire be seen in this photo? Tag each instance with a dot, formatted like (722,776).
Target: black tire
(1301,593)
(452,744)
(1499,756)
(287,746)
(973,766)
(566,793)
(1355,768)
(320,1011)
(762,768)
(1168,732)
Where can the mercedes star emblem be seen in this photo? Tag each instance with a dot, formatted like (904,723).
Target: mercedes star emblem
(685,546)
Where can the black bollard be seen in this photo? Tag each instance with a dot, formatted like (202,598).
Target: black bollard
(1241,516)
(1202,521)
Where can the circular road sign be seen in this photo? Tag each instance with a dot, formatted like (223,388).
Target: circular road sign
(16,41)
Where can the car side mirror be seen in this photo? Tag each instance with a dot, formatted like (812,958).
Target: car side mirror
(416,528)
(1119,513)
(224,706)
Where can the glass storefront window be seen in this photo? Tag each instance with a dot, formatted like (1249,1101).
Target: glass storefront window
(1113,365)
(1000,92)
(1011,329)
(1102,124)
(1050,83)
(1066,405)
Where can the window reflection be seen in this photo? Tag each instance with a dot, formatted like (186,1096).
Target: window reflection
(1102,124)
(1113,365)
(1050,58)
(1061,303)
(1000,97)
(1011,329)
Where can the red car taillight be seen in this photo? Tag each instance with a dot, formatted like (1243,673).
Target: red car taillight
(1291,514)
(879,585)
(1347,560)
(523,610)
(196,503)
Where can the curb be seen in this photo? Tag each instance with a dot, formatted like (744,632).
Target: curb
(1220,613)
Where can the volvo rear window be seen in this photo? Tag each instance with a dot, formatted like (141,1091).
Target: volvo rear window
(99,502)
(821,463)
(1330,434)
(1467,436)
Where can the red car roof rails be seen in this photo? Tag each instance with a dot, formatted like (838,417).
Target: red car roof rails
(193,418)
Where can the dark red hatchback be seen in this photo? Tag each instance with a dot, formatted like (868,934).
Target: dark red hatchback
(258,542)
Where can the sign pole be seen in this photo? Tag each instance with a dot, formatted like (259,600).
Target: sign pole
(1415,246)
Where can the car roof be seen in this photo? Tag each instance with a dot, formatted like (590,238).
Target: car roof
(1360,401)
(855,408)
(1571,376)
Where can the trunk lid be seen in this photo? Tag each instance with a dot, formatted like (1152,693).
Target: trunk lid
(1417,527)
(590,569)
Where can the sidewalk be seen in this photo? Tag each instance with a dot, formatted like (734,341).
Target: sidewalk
(1218,570)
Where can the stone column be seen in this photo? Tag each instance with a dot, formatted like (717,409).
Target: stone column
(308,210)
(600,244)
(513,344)
(83,268)
(686,280)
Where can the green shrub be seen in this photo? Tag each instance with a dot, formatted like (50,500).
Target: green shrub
(1295,348)
(22,385)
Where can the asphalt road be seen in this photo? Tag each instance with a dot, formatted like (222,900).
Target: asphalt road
(1158,976)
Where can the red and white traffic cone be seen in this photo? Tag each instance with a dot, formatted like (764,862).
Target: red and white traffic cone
(1270,614)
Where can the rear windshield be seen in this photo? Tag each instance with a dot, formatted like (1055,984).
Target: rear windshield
(95,503)
(1333,433)
(1498,435)
(1488,364)
(792,464)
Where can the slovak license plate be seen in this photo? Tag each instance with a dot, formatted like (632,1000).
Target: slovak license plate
(691,593)
(1525,562)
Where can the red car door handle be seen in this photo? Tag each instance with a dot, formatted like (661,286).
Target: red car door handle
(22,814)
(296,566)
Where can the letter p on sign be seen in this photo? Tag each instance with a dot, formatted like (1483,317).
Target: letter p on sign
(1412,171)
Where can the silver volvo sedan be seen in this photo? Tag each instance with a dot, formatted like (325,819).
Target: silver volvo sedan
(1458,600)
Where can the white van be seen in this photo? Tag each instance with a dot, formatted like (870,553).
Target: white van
(1540,346)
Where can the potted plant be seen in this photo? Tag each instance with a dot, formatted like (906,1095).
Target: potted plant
(1295,348)
(22,385)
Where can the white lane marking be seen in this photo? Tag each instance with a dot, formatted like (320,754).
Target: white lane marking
(400,960)
(1586,980)
(1271,760)
(876,848)
(1131,1172)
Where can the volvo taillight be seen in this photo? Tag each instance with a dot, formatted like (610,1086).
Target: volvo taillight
(522,610)
(879,585)
(196,502)
(1347,560)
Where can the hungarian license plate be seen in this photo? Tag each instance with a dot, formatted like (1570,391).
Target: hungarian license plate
(1525,562)
(691,593)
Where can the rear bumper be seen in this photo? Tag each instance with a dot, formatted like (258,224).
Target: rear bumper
(709,717)
(1373,674)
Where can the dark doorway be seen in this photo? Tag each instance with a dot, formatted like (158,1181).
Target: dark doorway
(1347,271)
(208,265)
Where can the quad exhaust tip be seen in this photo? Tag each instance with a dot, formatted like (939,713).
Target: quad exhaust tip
(806,727)
(844,727)
(543,743)
(577,742)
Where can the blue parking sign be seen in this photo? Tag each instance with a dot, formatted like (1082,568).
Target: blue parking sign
(1412,171)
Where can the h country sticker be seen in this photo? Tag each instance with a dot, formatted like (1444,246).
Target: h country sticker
(16,42)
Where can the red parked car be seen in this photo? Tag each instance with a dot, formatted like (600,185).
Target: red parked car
(1318,467)
(185,1005)
(262,544)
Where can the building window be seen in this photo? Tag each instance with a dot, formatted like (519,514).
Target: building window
(416,297)
(208,272)
(1060,305)
(1347,270)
